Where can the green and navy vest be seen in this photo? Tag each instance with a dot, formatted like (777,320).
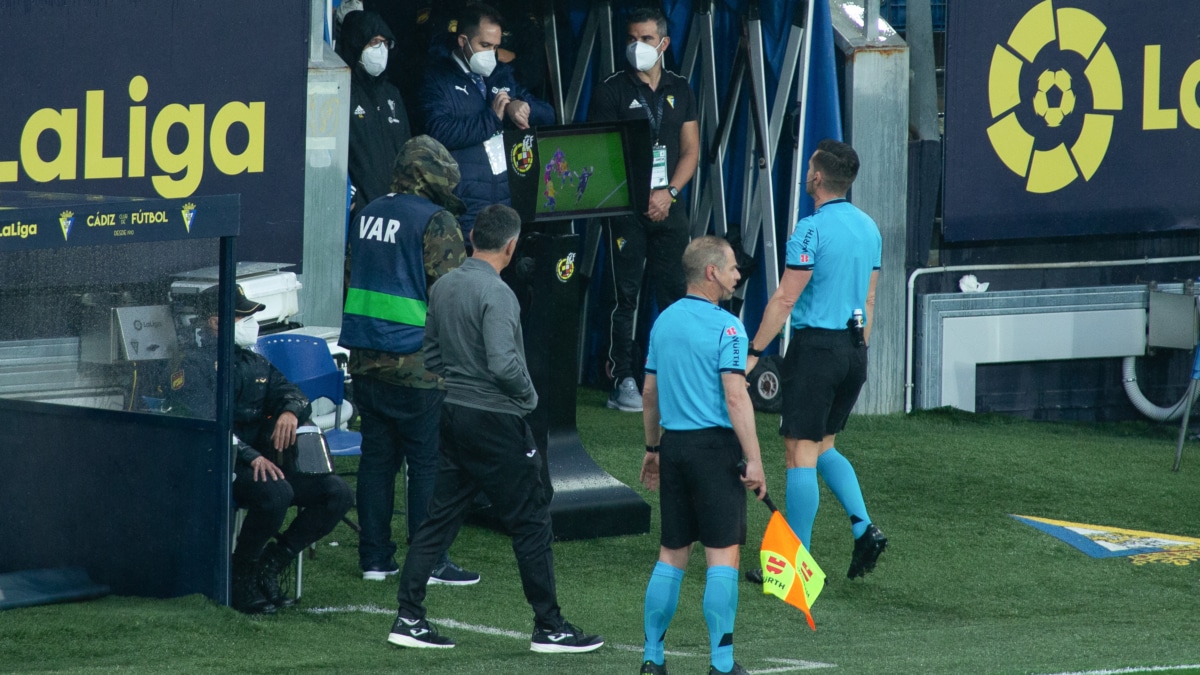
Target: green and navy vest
(387,299)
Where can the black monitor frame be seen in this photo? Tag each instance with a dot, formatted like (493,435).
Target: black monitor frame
(525,168)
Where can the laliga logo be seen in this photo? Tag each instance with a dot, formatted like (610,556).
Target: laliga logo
(1054,100)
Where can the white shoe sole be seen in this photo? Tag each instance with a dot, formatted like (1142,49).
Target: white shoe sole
(563,649)
(613,405)
(402,640)
(377,576)
(443,582)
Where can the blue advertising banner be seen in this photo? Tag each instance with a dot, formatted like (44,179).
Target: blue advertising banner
(170,99)
(1071,118)
(112,222)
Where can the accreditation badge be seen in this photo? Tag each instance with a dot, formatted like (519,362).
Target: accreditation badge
(494,147)
(658,170)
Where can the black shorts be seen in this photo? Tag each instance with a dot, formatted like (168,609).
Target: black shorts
(821,377)
(702,497)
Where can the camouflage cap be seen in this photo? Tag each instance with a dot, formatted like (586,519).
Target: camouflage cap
(424,167)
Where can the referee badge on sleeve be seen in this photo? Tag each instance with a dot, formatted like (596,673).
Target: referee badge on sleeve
(731,331)
(805,259)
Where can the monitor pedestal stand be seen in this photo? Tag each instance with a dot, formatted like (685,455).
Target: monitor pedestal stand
(588,502)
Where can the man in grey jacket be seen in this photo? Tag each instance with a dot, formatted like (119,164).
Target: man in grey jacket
(473,340)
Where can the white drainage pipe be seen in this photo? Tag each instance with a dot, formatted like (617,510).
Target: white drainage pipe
(1144,406)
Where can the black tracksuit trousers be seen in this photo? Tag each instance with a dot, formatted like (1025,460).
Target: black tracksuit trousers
(494,453)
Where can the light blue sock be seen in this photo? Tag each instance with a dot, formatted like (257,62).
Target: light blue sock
(803,498)
(720,608)
(662,596)
(843,482)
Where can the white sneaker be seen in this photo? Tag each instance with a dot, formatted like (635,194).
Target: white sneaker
(625,397)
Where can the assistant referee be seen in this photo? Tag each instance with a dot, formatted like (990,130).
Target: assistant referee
(828,288)
(696,391)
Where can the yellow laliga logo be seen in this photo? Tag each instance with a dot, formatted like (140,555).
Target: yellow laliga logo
(181,169)
(1076,31)
(19,229)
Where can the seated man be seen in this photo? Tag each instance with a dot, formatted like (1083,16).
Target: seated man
(267,409)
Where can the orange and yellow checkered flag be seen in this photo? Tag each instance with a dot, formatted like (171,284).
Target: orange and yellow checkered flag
(789,572)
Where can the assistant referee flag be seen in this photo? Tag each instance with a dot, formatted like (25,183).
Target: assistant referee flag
(789,572)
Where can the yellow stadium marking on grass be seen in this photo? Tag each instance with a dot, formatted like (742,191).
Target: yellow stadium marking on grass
(784,665)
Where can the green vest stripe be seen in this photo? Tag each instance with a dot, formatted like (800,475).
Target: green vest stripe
(386,307)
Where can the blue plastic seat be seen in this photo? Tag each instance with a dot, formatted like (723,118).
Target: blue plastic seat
(306,362)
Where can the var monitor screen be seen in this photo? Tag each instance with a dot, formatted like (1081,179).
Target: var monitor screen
(578,170)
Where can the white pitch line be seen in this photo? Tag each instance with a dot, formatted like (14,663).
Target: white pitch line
(1121,671)
(790,665)
(614,191)
(786,665)
(470,627)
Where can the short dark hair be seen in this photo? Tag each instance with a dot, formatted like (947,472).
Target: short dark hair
(495,226)
(644,14)
(700,253)
(474,14)
(838,164)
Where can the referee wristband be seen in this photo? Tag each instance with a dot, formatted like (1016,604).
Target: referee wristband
(754,352)
(652,449)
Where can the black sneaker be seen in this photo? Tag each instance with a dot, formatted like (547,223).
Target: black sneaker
(754,576)
(452,575)
(563,639)
(866,552)
(652,668)
(380,571)
(736,670)
(417,633)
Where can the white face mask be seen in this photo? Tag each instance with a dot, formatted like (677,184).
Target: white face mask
(245,332)
(374,59)
(482,63)
(642,56)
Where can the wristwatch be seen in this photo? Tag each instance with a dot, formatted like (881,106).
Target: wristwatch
(673,191)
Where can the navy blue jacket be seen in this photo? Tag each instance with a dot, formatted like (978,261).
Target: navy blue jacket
(461,118)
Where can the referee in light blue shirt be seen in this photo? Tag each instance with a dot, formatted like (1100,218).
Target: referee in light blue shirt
(829,289)
(695,402)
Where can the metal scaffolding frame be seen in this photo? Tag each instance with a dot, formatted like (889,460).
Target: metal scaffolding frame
(708,200)
(764,132)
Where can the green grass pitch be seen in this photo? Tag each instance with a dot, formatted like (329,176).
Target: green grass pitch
(962,589)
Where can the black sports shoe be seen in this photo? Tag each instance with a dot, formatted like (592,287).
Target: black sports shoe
(736,670)
(754,576)
(866,552)
(452,575)
(380,571)
(417,633)
(652,668)
(563,639)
